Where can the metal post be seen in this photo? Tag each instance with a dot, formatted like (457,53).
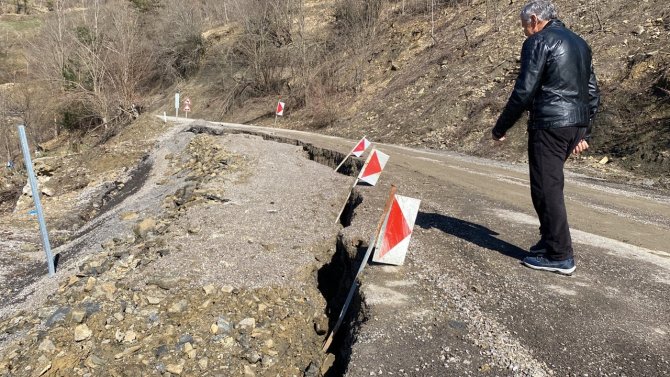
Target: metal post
(36,198)
(176,104)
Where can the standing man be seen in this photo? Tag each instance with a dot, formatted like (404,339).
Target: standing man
(558,87)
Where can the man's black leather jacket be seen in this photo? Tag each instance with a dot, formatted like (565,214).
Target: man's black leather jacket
(556,83)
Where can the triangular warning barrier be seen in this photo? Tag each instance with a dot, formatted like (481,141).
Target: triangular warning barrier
(396,232)
(360,148)
(357,151)
(373,167)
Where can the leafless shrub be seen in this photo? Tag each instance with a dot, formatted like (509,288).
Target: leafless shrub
(355,16)
(178,41)
(265,40)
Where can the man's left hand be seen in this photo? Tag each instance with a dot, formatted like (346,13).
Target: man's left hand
(581,147)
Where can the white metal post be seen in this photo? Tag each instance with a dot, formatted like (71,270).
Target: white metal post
(176,104)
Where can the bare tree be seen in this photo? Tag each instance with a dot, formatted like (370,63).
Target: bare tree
(96,59)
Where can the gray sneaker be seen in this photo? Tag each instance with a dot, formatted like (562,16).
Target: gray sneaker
(539,262)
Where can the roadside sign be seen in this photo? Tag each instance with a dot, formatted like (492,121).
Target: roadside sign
(373,167)
(396,232)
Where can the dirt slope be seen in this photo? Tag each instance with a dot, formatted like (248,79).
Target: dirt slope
(446,92)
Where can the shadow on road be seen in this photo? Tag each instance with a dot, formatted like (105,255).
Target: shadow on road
(475,233)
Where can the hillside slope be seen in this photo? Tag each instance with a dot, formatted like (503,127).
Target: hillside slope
(392,70)
(446,92)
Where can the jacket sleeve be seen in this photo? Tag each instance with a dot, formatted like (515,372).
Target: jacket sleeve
(594,102)
(533,58)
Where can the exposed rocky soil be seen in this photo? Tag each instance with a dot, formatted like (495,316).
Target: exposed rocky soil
(215,277)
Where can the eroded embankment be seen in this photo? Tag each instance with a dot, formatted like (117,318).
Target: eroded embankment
(163,300)
(335,277)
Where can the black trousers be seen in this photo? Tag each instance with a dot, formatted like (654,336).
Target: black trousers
(548,150)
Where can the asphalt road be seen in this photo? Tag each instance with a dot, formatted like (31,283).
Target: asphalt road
(463,304)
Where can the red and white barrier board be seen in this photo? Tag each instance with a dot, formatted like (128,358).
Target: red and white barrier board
(396,232)
(360,148)
(280,108)
(373,167)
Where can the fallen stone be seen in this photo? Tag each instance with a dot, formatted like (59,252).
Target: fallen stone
(321,325)
(248,371)
(224,325)
(82,332)
(267,361)
(127,351)
(327,363)
(252,357)
(166,284)
(176,368)
(94,361)
(130,336)
(144,227)
(191,354)
(186,338)
(227,289)
(247,323)
(44,369)
(58,316)
(78,315)
(90,283)
(203,363)
(72,280)
(209,289)
(178,307)
(47,346)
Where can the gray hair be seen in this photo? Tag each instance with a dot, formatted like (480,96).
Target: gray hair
(544,10)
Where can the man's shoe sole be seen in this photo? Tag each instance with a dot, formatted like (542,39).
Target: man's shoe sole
(561,271)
